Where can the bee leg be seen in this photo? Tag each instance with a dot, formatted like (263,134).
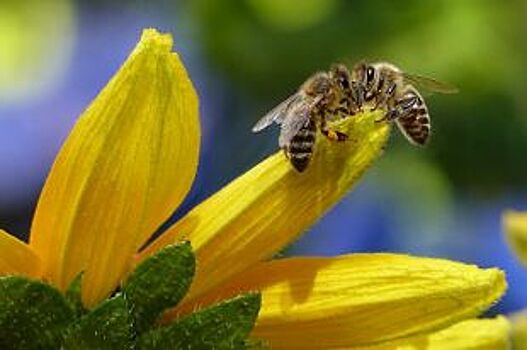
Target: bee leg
(356,95)
(331,112)
(402,106)
(391,115)
(286,153)
(331,134)
(341,112)
(335,135)
(344,112)
(383,97)
(350,105)
(378,103)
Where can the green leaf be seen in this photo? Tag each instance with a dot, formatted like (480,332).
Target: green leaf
(108,326)
(33,314)
(223,326)
(159,283)
(73,296)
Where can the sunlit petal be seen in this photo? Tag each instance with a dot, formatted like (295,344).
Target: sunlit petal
(360,299)
(515,226)
(125,167)
(484,334)
(263,210)
(17,258)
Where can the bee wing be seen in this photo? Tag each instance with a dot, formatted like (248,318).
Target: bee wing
(430,84)
(298,116)
(277,114)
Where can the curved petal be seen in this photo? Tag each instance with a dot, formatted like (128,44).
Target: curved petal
(127,164)
(266,208)
(484,334)
(515,227)
(359,299)
(17,258)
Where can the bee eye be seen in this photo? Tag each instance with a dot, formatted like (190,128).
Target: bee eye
(369,74)
(344,82)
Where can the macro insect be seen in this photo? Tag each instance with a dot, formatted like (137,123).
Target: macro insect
(318,100)
(383,85)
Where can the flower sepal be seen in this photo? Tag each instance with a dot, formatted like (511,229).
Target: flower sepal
(222,326)
(159,283)
(34,314)
(108,326)
(74,296)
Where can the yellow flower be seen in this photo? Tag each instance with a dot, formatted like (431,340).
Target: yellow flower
(487,334)
(129,162)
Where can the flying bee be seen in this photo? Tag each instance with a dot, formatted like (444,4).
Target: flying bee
(302,114)
(386,86)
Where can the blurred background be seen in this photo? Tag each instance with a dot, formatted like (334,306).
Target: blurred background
(246,56)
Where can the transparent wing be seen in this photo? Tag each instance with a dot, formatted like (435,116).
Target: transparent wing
(429,84)
(298,117)
(277,114)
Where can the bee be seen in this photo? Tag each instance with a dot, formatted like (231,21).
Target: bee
(302,114)
(384,85)
(351,91)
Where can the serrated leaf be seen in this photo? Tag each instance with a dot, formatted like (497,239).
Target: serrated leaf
(159,283)
(33,314)
(108,326)
(223,326)
(73,296)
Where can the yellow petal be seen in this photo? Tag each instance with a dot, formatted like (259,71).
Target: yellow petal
(17,258)
(266,208)
(484,334)
(519,330)
(359,299)
(125,167)
(515,227)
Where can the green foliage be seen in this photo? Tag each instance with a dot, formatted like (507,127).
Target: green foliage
(159,283)
(73,295)
(34,315)
(223,326)
(108,326)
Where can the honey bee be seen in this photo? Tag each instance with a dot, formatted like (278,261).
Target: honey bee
(351,91)
(302,114)
(383,85)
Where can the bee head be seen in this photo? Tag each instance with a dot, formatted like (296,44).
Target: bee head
(319,84)
(340,75)
(364,73)
(370,75)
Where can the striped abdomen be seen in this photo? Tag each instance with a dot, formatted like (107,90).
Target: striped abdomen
(301,147)
(414,121)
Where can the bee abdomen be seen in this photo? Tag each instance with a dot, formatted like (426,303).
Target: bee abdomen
(416,126)
(301,147)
